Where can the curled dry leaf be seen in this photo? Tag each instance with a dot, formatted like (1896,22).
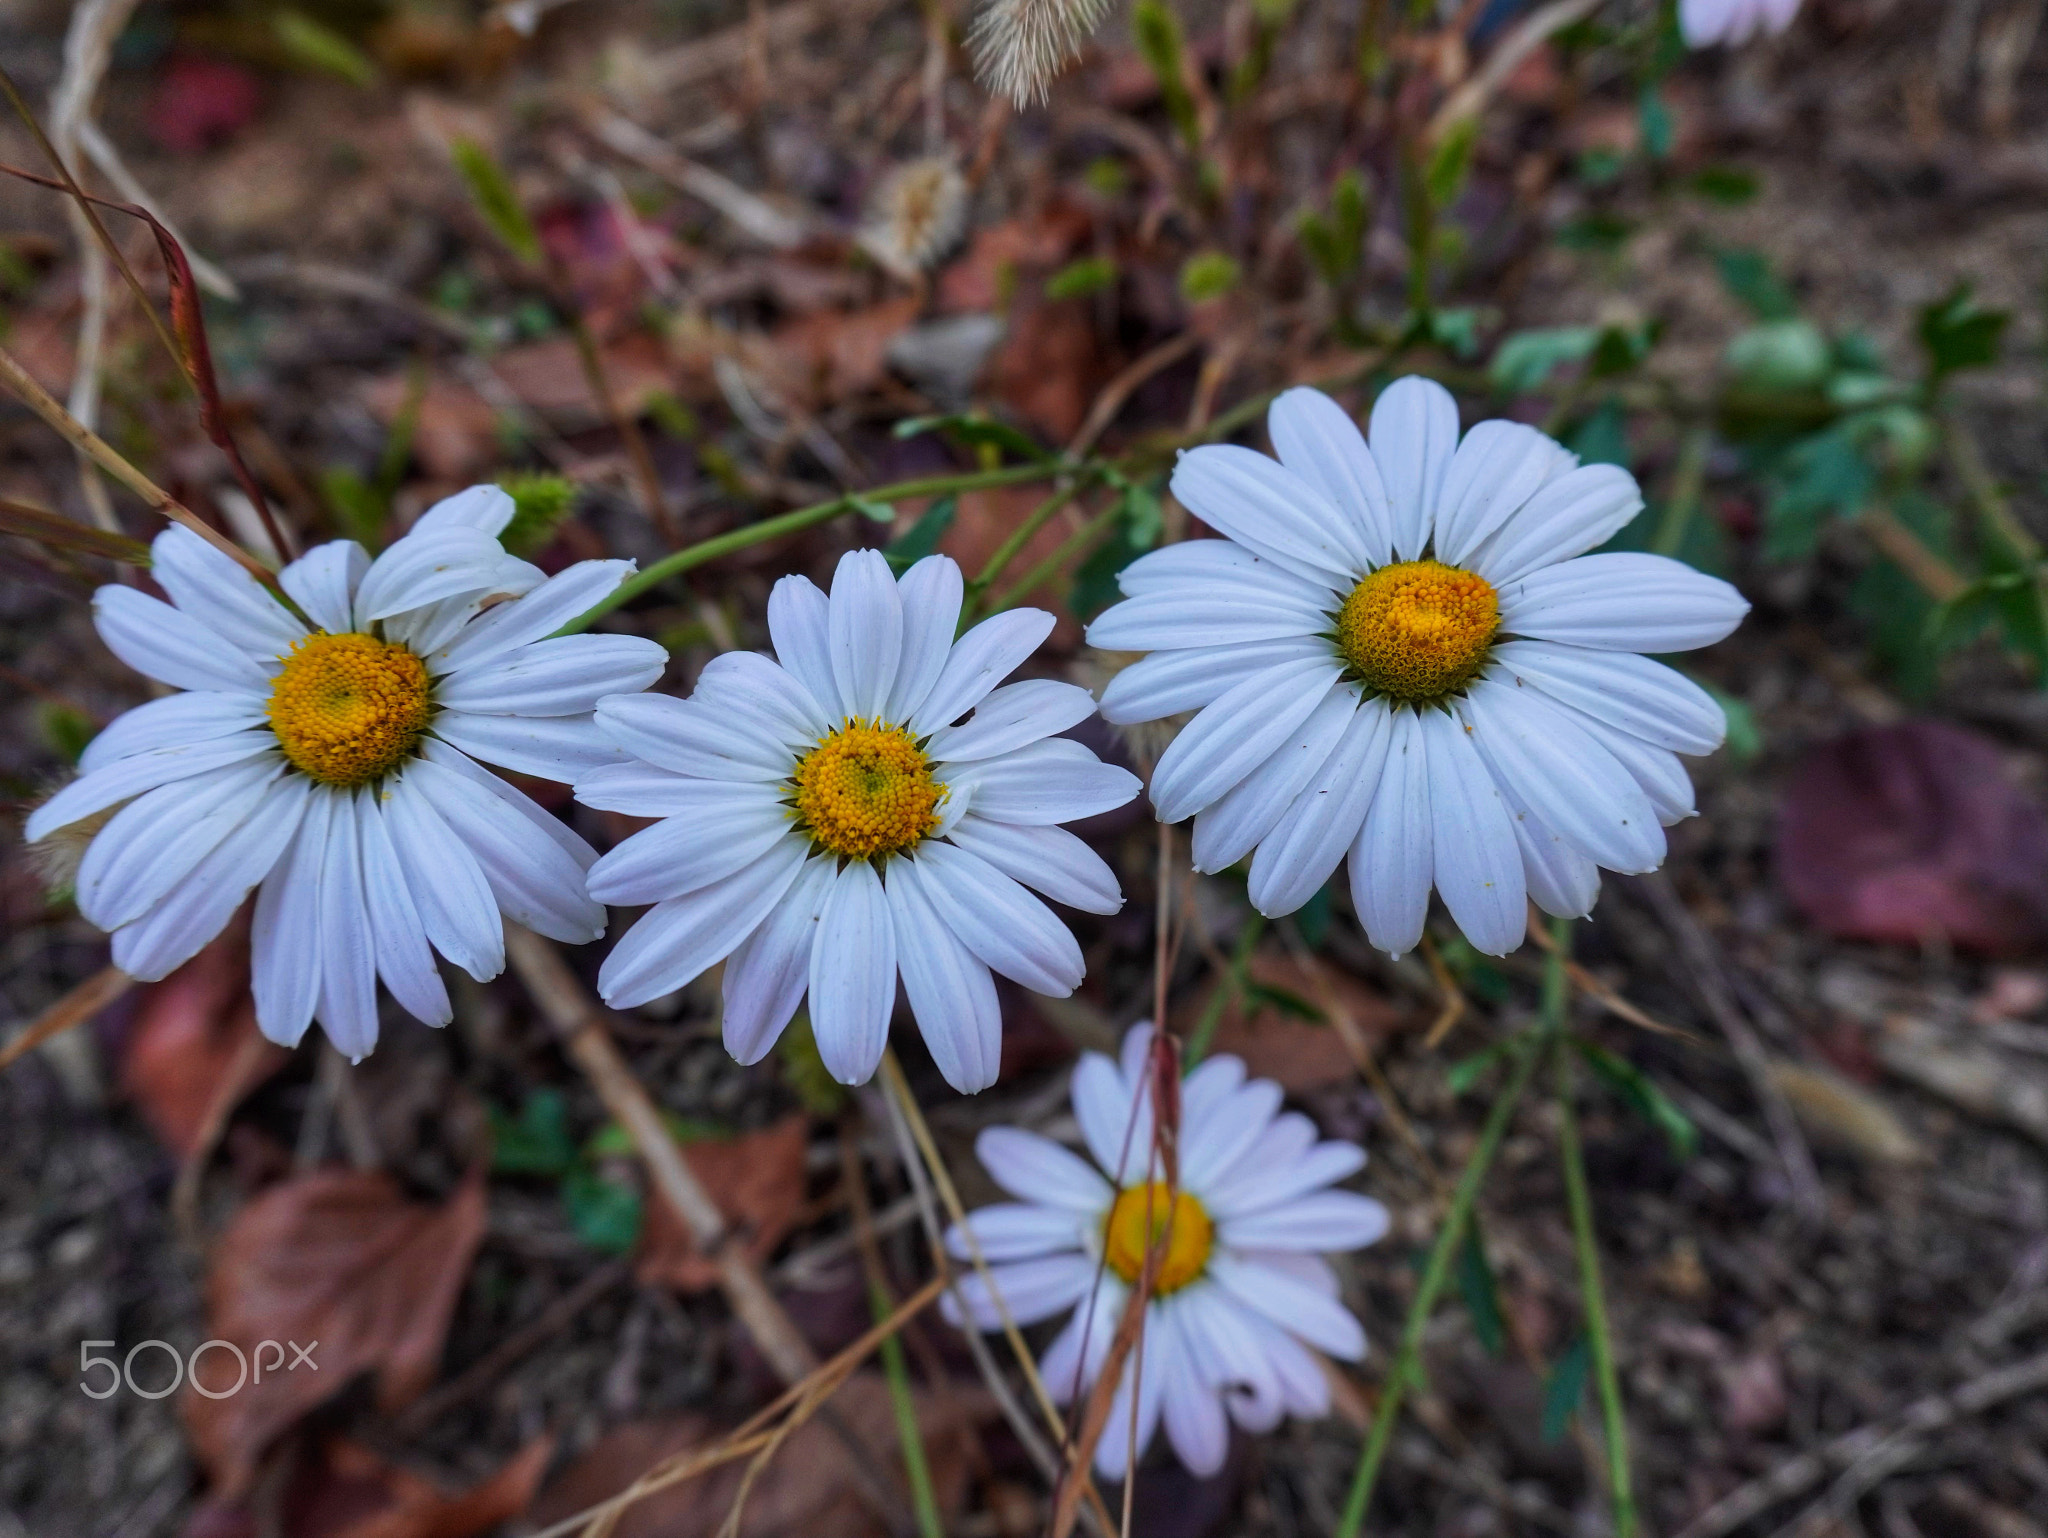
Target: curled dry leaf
(344,1490)
(342,1258)
(1909,832)
(758,1181)
(192,1031)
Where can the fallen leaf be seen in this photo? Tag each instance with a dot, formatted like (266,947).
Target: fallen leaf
(1843,1115)
(1909,832)
(190,1032)
(594,248)
(1050,365)
(827,356)
(337,1257)
(455,433)
(1002,257)
(809,1488)
(350,1492)
(549,380)
(758,1181)
(1989,1085)
(1280,1036)
(200,101)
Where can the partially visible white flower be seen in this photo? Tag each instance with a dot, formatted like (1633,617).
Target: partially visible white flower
(829,820)
(1401,652)
(1707,22)
(337,765)
(1241,1292)
(917,215)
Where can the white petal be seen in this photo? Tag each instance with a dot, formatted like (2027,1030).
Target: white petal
(1392,861)
(1644,698)
(1280,1167)
(1056,780)
(995,918)
(729,824)
(767,694)
(1046,859)
(199,907)
(1206,567)
(348,959)
(1015,1231)
(1497,469)
(1031,1290)
(1296,1307)
(1205,1097)
(403,958)
(563,677)
(951,994)
(538,614)
(799,621)
(677,939)
(1267,508)
(1310,839)
(980,660)
(766,977)
(128,777)
(323,583)
(1478,862)
(1116,1122)
(221,595)
(865,628)
(285,942)
(1073,1361)
(449,888)
(536,883)
(1561,881)
(173,721)
(1230,828)
(565,838)
(641,790)
(1129,1431)
(1169,682)
(1626,602)
(1568,517)
(1240,731)
(153,842)
(485,508)
(1324,1221)
(1573,785)
(425,568)
(1229,1133)
(1662,777)
(691,738)
(1012,717)
(559,748)
(1414,434)
(853,975)
(1191,1408)
(1316,439)
(931,592)
(1174,621)
(1228,1343)
(1036,1169)
(173,648)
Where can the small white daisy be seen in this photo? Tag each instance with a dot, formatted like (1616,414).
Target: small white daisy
(1402,652)
(830,820)
(336,765)
(1707,22)
(1239,1294)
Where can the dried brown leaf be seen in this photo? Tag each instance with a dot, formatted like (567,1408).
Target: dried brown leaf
(758,1181)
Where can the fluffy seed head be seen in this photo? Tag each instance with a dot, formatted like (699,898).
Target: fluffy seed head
(916,215)
(866,790)
(348,709)
(1019,45)
(1137,1220)
(56,856)
(1418,630)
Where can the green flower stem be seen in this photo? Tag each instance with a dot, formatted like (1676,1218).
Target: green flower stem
(793,522)
(1228,987)
(1082,538)
(922,1496)
(1434,1275)
(1021,536)
(1687,481)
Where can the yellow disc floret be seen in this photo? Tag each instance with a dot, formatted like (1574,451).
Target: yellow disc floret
(1418,630)
(348,709)
(1139,1219)
(866,790)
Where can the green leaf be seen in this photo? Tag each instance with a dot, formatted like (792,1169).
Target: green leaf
(1601,231)
(1602,438)
(976,431)
(1260,995)
(612,1141)
(1957,334)
(1524,362)
(1208,275)
(312,45)
(1745,740)
(868,508)
(1456,331)
(537,1140)
(1747,275)
(604,1213)
(1825,473)
(1335,242)
(804,1070)
(1156,29)
(539,505)
(922,537)
(1562,1387)
(491,190)
(1780,357)
(1658,128)
(1481,1292)
(1144,520)
(1077,280)
(66,730)
(1312,918)
(1729,186)
(1450,161)
(1640,1092)
(1468,1071)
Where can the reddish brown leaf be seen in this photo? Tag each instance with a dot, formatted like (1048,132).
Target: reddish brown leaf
(827,356)
(191,1031)
(1000,258)
(758,1182)
(338,1257)
(1911,832)
(350,1492)
(200,101)
(1050,365)
(1277,1041)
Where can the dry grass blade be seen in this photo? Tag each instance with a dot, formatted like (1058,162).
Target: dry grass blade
(26,521)
(1614,1003)
(77,1006)
(1454,997)
(1471,97)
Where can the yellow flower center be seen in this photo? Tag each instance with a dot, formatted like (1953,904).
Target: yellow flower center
(1418,630)
(349,708)
(866,790)
(1136,1223)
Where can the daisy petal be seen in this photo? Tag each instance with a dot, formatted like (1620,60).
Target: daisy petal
(1015,1231)
(348,961)
(1271,511)
(1036,1169)
(1074,1359)
(563,836)
(153,843)
(1644,698)
(1478,863)
(1414,433)
(1306,844)
(769,696)
(729,824)
(688,737)
(853,975)
(1662,777)
(1168,682)
(995,918)
(404,960)
(1229,1132)
(173,721)
(173,648)
(1568,517)
(1012,717)
(1392,860)
(980,660)
(951,994)
(1172,621)
(1321,1220)
(1031,1290)
(1561,881)
(641,790)
(1317,439)
(1130,1433)
(1231,827)
(1295,1306)
(1497,469)
(536,883)
(678,939)
(865,630)
(766,977)
(1256,1184)
(1053,781)
(1626,602)
(219,593)
(799,622)
(559,748)
(128,777)
(1219,565)
(456,908)
(323,582)
(1116,1123)
(1047,859)
(931,592)
(285,944)
(1236,734)
(425,568)
(563,677)
(1191,1409)
(538,614)
(485,508)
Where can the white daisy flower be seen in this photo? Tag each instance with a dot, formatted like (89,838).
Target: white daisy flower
(1402,652)
(1241,1292)
(336,764)
(1707,22)
(828,820)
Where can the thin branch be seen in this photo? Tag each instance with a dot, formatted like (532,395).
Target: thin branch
(76,1007)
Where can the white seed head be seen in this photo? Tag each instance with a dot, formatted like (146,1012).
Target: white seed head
(55,857)
(917,215)
(1019,45)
